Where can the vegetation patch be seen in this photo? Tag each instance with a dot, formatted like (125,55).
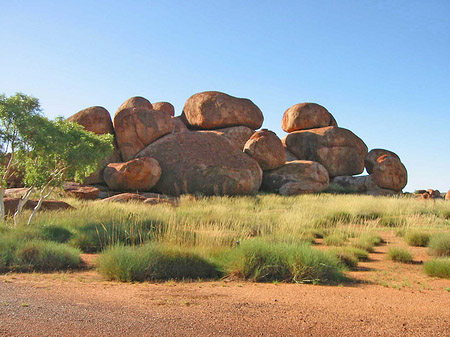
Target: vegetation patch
(391,221)
(417,239)
(334,240)
(438,267)
(334,219)
(398,254)
(439,245)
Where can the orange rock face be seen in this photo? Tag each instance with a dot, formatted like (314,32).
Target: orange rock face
(339,150)
(305,116)
(203,162)
(214,110)
(81,191)
(296,177)
(389,172)
(95,119)
(138,127)
(136,102)
(447,196)
(373,155)
(266,148)
(135,175)
(238,135)
(164,106)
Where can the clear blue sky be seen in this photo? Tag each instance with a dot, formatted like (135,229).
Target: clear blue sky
(380,67)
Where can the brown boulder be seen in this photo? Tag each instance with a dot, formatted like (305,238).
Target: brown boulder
(296,177)
(373,155)
(125,197)
(447,196)
(95,119)
(157,201)
(214,110)
(81,191)
(138,127)
(266,148)
(178,125)
(47,205)
(389,172)
(164,106)
(359,184)
(136,102)
(339,150)
(305,116)
(135,175)
(203,162)
(289,155)
(238,135)
(434,193)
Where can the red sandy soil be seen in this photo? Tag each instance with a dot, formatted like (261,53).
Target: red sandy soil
(388,299)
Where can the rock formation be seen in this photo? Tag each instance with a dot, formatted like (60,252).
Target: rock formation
(266,148)
(305,116)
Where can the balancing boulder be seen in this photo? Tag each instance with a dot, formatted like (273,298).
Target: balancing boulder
(305,116)
(373,155)
(266,148)
(389,172)
(164,106)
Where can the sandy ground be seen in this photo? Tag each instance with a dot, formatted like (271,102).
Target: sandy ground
(388,299)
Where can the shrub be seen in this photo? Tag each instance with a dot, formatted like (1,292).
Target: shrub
(264,262)
(367,241)
(418,239)
(334,240)
(438,267)
(400,255)
(345,257)
(360,254)
(55,233)
(154,262)
(439,244)
(332,220)
(391,221)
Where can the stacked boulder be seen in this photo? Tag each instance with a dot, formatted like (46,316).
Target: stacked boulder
(213,148)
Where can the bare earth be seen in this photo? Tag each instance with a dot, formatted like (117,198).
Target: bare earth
(390,299)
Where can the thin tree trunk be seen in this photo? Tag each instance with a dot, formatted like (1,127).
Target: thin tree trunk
(42,197)
(21,204)
(2,204)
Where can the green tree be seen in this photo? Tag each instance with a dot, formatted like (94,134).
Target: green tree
(16,115)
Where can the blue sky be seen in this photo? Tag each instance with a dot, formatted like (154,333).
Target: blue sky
(380,67)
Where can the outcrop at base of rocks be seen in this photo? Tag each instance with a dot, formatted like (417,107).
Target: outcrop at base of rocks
(359,184)
(266,148)
(47,205)
(296,177)
(339,150)
(81,191)
(215,110)
(139,174)
(305,116)
(203,162)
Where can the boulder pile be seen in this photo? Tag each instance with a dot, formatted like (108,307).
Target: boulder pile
(214,148)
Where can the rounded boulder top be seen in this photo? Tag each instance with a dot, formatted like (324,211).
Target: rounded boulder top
(304,116)
(135,102)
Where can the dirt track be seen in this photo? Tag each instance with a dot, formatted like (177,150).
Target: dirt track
(391,300)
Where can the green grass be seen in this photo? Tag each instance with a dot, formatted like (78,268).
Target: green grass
(392,221)
(438,267)
(334,240)
(150,262)
(439,244)
(417,238)
(398,254)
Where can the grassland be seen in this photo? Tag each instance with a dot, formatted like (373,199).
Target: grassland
(248,237)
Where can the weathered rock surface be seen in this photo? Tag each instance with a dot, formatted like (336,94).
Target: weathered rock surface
(359,184)
(136,102)
(203,162)
(214,110)
(95,119)
(447,196)
(238,135)
(178,125)
(434,193)
(373,155)
(138,127)
(47,205)
(266,148)
(156,201)
(339,150)
(139,174)
(81,191)
(305,116)
(125,197)
(389,172)
(289,155)
(296,177)
(164,106)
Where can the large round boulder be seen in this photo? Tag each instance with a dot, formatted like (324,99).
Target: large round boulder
(447,196)
(238,135)
(266,148)
(305,116)
(389,172)
(136,102)
(203,162)
(139,174)
(214,110)
(373,155)
(164,106)
(296,177)
(138,127)
(95,119)
(339,150)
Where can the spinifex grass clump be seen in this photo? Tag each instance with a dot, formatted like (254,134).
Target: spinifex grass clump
(398,254)
(439,244)
(334,219)
(391,221)
(418,239)
(36,255)
(438,267)
(261,261)
(154,262)
(368,216)
(367,242)
(350,256)
(334,240)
